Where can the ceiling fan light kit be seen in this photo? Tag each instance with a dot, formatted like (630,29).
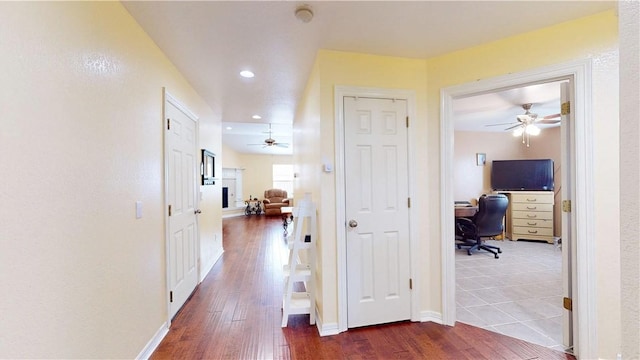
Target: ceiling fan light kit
(531,129)
(526,124)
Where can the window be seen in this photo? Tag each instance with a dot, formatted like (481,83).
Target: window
(283,178)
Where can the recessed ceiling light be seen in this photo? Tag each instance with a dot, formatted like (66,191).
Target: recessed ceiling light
(257,117)
(228,128)
(247,74)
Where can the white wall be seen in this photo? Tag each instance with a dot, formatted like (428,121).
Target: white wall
(82,140)
(629,28)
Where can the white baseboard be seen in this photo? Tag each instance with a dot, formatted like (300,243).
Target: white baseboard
(432,316)
(153,343)
(332,328)
(206,271)
(326,329)
(227,213)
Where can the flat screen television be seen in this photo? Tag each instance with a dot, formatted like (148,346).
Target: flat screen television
(513,175)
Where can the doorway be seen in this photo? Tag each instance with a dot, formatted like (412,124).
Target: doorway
(578,182)
(521,293)
(181,225)
(373,175)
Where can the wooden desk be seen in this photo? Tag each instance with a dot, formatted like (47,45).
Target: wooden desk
(465,211)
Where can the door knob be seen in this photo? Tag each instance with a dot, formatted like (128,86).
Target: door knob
(353,223)
(197,211)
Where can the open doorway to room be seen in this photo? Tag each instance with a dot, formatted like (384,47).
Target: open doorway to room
(577,182)
(520,293)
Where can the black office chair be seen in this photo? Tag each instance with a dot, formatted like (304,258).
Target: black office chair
(487,222)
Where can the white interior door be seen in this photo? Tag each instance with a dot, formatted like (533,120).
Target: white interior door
(376,179)
(182,166)
(568,263)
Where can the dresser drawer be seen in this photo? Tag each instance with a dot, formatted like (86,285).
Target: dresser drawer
(531,207)
(532,215)
(532,198)
(522,232)
(533,223)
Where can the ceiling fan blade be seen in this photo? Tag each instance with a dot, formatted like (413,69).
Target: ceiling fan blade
(282,145)
(554,116)
(512,127)
(548,121)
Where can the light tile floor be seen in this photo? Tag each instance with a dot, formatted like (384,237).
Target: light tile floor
(519,294)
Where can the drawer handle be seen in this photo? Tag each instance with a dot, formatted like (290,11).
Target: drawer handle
(532,223)
(532,215)
(531,207)
(532,231)
(532,200)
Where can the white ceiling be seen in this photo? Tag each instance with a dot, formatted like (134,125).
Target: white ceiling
(210,42)
(498,111)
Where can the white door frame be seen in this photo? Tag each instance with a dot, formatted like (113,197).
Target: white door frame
(584,301)
(341,245)
(167,97)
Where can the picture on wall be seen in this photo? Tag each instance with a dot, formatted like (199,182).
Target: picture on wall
(207,167)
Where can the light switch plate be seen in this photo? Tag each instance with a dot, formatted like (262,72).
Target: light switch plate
(138,209)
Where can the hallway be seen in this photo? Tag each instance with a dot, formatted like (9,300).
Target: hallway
(235,314)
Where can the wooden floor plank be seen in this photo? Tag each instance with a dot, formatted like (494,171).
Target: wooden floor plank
(235,314)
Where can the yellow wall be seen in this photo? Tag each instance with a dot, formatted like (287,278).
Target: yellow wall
(315,130)
(593,37)
(82,140)
(258,174)
(258,170)
(230,158)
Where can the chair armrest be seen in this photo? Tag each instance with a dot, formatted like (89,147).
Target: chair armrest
(266,201)
(285,201)
(466,228)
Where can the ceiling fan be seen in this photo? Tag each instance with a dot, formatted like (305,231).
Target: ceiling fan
(527,123)
(271,142)
(529,118)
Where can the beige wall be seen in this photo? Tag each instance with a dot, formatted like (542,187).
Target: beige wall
(82,140)
(470,180)
(593,37)
(630,176)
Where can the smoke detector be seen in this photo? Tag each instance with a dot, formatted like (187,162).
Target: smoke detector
(304,13)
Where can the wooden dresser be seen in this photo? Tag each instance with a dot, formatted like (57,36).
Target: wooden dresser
(530,215)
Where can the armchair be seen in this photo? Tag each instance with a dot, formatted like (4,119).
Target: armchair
(274,199)
(488,221)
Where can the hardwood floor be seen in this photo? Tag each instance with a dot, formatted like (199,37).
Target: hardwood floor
(235,314)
